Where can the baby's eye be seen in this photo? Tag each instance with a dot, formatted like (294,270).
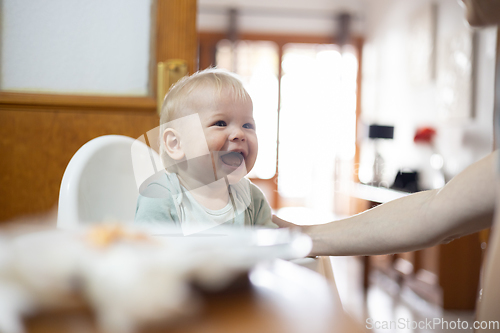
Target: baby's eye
(220,123)
(249,126)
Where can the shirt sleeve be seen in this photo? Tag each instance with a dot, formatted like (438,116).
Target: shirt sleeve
(157,208)
(262,210)
(152,210)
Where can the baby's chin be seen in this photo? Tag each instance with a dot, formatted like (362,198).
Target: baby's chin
(233,175)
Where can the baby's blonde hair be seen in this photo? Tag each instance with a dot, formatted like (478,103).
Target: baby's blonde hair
(180,94)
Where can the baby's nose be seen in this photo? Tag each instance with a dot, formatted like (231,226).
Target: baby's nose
(237,134)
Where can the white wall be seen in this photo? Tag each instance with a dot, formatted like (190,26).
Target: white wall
(76,46)
(390,96)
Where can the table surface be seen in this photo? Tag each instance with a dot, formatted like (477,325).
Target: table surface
(279,296)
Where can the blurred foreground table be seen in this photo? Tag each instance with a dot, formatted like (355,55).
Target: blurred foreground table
(279,296)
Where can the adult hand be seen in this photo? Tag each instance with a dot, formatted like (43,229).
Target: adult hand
(283,224)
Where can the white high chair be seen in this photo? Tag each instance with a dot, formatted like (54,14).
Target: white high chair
(102,179)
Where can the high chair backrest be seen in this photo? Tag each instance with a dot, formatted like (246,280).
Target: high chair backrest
(99,182)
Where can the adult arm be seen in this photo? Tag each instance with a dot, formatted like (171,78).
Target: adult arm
(463,206)
(262,215)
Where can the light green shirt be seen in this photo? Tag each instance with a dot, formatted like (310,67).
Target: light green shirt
(165,202)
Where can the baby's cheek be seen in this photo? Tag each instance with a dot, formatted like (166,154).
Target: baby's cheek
(254,143)
(214,145)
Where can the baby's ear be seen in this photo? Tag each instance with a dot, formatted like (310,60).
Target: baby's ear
(172,142)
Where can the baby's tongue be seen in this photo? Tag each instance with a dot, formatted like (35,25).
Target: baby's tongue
(232,159)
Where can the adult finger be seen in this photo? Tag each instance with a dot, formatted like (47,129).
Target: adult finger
(282,223)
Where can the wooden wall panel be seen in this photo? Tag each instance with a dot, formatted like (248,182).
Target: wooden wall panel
(36,147)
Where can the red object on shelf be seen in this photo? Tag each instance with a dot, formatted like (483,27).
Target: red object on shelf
(424,135)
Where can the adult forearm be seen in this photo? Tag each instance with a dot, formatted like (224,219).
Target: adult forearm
(397,226)
(465,205)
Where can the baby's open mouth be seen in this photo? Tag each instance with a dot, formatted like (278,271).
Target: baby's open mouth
(233,159)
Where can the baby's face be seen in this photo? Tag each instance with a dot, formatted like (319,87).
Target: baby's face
(229,130)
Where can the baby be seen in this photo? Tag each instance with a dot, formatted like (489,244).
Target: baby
(208,144)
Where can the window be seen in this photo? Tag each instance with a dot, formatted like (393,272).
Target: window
(304,94)
(256,62)
(317,120)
